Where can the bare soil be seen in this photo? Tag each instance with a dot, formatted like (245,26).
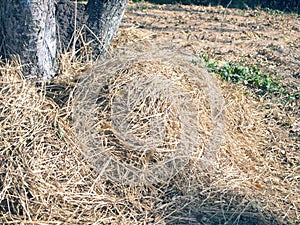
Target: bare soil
(268,40)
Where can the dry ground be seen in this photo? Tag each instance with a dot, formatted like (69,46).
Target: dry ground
(269,40)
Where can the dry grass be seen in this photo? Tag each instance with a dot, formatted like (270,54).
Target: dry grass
(48,177)
(64,155)
(150,108)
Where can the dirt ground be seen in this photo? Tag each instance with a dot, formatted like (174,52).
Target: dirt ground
(269,40)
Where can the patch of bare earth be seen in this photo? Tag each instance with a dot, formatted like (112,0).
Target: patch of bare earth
(270,41)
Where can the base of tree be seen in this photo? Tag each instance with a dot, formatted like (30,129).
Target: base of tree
(65,17)
(35,31)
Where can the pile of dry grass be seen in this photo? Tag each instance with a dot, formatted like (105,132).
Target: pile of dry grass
(144,114)
(132,108)
(260,156)
(41,168)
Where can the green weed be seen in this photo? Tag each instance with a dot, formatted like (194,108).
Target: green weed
(274,12)
(135,1)
(262,84)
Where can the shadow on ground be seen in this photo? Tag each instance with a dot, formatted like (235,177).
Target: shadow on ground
(218,207)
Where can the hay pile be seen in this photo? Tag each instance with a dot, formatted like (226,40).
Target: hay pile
(95,162)
(42,170)
(140,124)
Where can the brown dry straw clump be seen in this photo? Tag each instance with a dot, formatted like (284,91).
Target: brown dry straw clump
(142,116)
(260,158)
(42,171)
(148,106)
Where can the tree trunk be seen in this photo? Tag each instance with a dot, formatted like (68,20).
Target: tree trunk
(104,18)
(28,29)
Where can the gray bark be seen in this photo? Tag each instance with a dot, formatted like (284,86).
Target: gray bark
(104,18)
(28,30)
(69,18)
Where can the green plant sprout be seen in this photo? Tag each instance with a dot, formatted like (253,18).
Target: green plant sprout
(251,76)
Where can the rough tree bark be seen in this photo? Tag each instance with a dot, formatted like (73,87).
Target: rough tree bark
(28,29)
(104,18)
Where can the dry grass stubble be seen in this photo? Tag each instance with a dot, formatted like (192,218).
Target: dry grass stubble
(47,176)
